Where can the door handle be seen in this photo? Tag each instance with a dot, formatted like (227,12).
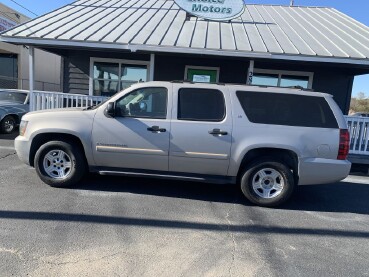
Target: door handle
(218,132)
(156,129)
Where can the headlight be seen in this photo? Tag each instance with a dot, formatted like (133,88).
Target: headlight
(23,127)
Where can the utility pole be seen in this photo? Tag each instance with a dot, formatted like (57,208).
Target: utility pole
(292,2)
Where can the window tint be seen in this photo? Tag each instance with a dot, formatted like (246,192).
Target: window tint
(144,102)
(284,109)
(200,104)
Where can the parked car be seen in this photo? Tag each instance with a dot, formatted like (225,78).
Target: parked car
(13,105)
(268,140)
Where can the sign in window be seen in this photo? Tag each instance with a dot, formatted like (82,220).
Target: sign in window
(202,75)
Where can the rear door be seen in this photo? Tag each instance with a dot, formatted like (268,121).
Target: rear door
(201,130)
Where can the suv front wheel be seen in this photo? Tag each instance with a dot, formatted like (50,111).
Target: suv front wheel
(267,182)
(60,164)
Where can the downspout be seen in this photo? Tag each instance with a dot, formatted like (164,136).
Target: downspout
(31,78)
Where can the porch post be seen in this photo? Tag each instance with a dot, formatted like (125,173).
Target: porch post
(31,77)
(250,73)
(152,66)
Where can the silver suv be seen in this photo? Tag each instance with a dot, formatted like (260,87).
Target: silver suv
(268,140)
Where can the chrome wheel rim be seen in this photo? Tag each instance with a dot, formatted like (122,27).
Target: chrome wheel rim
(268,183)
(57,164)
(9,125)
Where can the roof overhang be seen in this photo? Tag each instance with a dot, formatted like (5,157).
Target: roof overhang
(180,50)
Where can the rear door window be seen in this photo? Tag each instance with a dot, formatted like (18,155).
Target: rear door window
(287,109)
(201,104)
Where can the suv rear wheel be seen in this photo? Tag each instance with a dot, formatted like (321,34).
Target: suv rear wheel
(267,182)
(60,164)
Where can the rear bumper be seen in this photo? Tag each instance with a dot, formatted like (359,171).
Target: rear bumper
(22,147)
(322,171)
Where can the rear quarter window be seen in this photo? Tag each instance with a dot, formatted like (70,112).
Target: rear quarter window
(287,109)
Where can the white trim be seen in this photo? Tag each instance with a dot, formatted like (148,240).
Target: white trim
(217,69)
(91,78)
(118,61)
(250,72)
(152,67)
(184,50)
(31,77)
(287,72)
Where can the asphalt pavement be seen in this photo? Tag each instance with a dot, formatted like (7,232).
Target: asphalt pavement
(114,226)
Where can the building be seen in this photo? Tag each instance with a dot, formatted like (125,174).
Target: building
(14,69)
(108,44)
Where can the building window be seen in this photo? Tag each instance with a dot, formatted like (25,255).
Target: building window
(280,78)
(111,76)
(201,74)
(8,71)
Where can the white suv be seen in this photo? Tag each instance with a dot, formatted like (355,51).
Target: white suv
(268,140)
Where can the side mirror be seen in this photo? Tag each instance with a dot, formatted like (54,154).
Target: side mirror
(110,110)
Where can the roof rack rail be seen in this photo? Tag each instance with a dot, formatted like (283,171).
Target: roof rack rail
(241,84)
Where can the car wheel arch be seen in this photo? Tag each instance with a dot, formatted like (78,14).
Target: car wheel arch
(287,156)
(43,138)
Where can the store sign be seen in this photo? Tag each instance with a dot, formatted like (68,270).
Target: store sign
(6,24)
(213,9)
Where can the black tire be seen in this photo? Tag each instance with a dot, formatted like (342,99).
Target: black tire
(74,155)
(8,124)
(252,174)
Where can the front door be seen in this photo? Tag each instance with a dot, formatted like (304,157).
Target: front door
(201,131)
(138,136)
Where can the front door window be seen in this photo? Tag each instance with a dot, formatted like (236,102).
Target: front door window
(144,103)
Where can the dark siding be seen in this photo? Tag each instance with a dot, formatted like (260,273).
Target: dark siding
(76,74)
(337,84)
(169,68)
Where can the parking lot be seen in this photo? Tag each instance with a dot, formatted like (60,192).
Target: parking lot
(110,226)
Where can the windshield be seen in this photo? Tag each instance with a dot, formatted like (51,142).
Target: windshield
(12,96)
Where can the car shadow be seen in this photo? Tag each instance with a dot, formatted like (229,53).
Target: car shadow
(160,187)
(343,197)
(10,136)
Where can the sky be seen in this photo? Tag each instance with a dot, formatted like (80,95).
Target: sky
(357,9)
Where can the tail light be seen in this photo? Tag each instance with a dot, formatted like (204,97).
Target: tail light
(344,145)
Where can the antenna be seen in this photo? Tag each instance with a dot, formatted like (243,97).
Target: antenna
(292,2)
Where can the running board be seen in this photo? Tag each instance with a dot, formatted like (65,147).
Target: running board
(206,179)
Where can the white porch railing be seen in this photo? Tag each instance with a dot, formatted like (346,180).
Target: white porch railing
(359,134)
(43,100)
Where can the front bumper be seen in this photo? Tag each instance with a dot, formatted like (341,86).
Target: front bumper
(314,171)
(22,147)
